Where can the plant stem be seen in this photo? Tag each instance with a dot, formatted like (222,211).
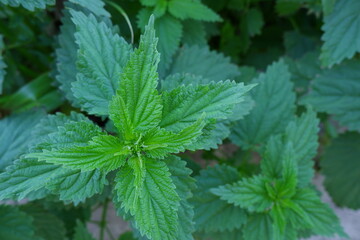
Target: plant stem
(123,13)
(103,220)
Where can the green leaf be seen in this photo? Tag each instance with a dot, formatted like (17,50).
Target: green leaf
(341,167)
(101,58)
(185,184)
(77,185)
(253,21)
(201,61)
(289,181)
(185,104)
(149,3)
(81,233)
(66,53)
(339,33)
(127,236)
(160,8)
(37,93)
(15,225)
(46,225)
(2,64)
(328,6)
(236,234)
(212,135)
(302,134)
(175,80)
(339,86)
(70,134)
(249,193)
(15,135)
(297,45)
(169,30)
(258,226)
(137,105)
(215,131)
(211,213)
(324,220)
(50,124)
(193,9)
(193,32)
(29,175)
(29,4)
(155,205)
(304,70)
(100,153)
(274,107)
(160,142)
(95,6)
(287,7)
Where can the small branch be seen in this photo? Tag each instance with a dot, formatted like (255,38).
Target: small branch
(123,13)
(103,220)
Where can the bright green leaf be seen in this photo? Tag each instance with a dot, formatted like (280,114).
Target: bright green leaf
(160,142)
(249,193)
(137,105)
(185,184)
(155,205)
(99,153)
(185,104)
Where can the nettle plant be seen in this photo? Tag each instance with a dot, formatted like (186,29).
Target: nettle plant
(134,117)
(71,156)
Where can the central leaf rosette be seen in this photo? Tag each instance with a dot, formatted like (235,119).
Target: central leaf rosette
(151,127)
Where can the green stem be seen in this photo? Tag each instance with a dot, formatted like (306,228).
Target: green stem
(294,24)
(123,13)
(103,220)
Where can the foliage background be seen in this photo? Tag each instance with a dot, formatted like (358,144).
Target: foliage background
(302,53)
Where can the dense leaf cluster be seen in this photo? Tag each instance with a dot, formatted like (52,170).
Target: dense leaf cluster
(95,118)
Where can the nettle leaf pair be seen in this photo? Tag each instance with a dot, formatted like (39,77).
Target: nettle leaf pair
(279,203)
(71,156)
